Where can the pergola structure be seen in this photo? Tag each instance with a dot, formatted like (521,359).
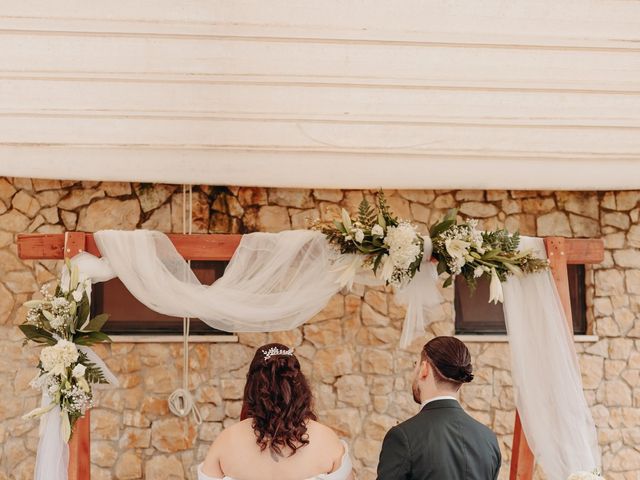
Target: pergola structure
(561,252)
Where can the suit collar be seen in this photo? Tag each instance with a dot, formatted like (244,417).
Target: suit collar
(443,403)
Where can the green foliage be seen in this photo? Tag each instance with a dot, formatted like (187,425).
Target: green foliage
(93,373)
(96,323)
(447,222)
(37,334)
(367,215)
(91,338)
(84,308)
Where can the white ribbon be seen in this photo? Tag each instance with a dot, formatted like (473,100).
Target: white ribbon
(421,296)
(52,458)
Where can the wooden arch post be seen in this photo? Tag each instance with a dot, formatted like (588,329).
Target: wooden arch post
(561,252)
(80,443)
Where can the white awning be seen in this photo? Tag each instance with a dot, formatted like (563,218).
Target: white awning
(406,94)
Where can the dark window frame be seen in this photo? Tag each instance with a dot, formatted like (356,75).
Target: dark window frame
(151,323)
(489,318)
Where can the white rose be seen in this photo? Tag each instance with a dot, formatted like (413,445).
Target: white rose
(358,235)
(457,248)
(377,230)
(78,371)
(57,358)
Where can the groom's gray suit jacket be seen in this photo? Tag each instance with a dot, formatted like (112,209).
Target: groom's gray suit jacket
(442,442)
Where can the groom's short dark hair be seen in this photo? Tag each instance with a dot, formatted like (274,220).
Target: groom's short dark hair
(450,360)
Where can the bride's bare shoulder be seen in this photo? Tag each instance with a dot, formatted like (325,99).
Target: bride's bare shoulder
(238,430)
(322,433)
(233,433)
(327,440)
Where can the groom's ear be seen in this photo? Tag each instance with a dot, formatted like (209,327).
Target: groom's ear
(425,370)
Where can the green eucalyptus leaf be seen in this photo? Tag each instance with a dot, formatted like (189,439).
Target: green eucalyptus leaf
(381,221)
(97,322)
(376,262)
(83,310)
(91,338)
(48,315)
(37,334)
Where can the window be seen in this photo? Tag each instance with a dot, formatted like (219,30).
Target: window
(127,316)
(475,315)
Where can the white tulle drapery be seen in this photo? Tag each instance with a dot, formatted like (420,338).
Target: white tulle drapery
(274,282)
(278,281)
(548,388)
(52,458)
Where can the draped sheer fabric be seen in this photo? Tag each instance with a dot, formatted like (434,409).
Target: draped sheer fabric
(546,376)
(274,282)
(52,460)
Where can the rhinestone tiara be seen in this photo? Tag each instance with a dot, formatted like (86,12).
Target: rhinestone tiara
(274,351)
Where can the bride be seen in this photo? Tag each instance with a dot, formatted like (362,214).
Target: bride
(278,436)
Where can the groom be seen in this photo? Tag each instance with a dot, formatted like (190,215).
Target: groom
(442,442)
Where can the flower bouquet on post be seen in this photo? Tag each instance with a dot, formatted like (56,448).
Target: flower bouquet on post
(67,366)
(462,249)
(379,241)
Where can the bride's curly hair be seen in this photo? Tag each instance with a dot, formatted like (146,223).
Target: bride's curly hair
(278,399)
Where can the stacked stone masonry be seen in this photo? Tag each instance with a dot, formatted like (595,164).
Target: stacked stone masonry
(349,350)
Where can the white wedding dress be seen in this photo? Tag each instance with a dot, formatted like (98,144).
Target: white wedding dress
(342,473)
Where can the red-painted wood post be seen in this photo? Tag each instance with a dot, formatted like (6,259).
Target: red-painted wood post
(80,444)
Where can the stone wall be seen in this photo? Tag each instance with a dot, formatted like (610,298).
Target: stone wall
(360,378)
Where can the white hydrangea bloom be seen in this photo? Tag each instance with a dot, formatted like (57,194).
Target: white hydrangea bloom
(57,358)
(403,245)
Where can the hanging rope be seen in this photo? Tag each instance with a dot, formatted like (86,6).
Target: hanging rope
(181,402)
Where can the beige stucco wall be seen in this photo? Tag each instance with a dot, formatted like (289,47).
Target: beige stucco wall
(349,351)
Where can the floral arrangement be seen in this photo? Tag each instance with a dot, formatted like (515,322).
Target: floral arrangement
(386,244)
(462,249)
(595,475)
(393,249)
(62,322)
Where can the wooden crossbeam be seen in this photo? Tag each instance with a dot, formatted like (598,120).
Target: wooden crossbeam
(191,247)
(222,246)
